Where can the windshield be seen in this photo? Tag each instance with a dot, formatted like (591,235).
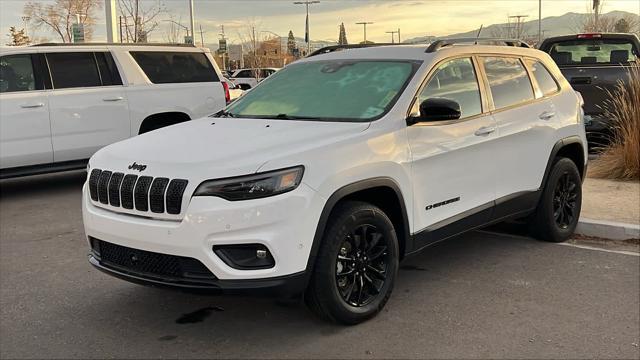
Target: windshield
(593,51)
(336,90)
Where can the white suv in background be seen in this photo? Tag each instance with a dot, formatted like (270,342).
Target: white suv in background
(324,177)
(246,79)
(59,104)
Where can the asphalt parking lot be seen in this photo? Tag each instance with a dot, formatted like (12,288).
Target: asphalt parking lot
(481,295)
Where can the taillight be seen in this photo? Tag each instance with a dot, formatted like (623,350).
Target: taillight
(589,36)
(227,95)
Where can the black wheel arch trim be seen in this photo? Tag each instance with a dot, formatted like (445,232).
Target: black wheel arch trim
(556,149)
(341,194)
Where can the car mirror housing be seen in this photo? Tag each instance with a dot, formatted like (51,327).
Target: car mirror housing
(437,109)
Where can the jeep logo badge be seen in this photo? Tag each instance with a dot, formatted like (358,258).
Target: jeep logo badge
(138,167)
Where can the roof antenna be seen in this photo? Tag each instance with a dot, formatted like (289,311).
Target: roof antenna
(478,36)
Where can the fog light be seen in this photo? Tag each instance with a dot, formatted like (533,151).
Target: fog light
(245,256)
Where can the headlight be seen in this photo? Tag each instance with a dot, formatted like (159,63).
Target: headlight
(254,186)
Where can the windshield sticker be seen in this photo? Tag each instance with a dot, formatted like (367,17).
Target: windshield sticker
(372,112)
(387,99)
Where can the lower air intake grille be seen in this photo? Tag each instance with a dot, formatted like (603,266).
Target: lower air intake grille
(147,263)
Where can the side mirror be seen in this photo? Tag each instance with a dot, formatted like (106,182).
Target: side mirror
(438,109)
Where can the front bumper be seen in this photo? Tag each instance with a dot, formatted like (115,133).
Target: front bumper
(279,286)
(285,224)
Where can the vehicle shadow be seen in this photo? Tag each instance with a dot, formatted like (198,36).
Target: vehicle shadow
(46,184)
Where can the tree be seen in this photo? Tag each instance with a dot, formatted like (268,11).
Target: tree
(622,26)
(139,21)
(60,16)
(291,43)
(342,38)
(18,37)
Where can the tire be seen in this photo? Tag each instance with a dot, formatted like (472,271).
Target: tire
(562,191)
(369,267)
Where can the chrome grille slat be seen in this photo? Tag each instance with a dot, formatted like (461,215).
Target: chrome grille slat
(141,193)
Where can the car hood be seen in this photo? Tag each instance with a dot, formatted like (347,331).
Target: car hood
(219,147)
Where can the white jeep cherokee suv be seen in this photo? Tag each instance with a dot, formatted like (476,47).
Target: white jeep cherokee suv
(331,171)
(61,103)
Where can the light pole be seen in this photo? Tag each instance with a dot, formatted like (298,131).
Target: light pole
(539,21)
(191,21)
(364,24)
(25,20)
(307,36)
(393,33)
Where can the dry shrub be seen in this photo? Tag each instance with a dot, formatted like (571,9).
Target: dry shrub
(621,160)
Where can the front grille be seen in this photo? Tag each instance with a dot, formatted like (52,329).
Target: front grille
(149,264)
(143,193)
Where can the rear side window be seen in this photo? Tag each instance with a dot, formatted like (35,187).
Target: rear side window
(108,70)
(73,70)
(245,74)
(593,51)
(162,67)
(545,80)
(508,80)
(16,73)
(455,80)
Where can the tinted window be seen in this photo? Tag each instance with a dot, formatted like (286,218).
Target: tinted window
(508,80)
(455,80)
(72,70)
(16,73)
(175,67)
(108,70)
(334,90)
(593,51)
(546,82)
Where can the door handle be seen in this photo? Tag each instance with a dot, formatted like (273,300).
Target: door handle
(485,130)
(32,106)
(547,115)
(118,98)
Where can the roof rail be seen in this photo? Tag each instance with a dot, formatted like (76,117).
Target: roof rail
(113,44)
(334,48)
(436,45)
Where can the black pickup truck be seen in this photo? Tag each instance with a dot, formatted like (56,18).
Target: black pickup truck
(593,64)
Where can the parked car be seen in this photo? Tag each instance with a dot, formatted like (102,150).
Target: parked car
(593,64)
(61,103)
(323,178)
(249,78)
(234,90)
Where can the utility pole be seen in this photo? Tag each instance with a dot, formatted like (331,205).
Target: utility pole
(121,37)
(392,36)
(539,21)
(519,24)
(307,36)
(364,24)
(191,20)
(399,41)
(201,37)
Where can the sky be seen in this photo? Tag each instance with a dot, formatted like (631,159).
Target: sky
(414,17)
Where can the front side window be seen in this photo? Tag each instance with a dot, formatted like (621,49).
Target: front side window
(508,80)
(163,67)
(16,73)
(545,80)
(455,80)
(334,90)
(73,70)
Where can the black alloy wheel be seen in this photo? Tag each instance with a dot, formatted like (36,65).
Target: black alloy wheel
(564,201)
(361,266)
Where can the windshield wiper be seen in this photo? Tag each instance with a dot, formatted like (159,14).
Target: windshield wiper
(223,113)
(287,117)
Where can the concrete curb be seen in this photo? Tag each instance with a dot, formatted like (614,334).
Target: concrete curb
(608,229)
